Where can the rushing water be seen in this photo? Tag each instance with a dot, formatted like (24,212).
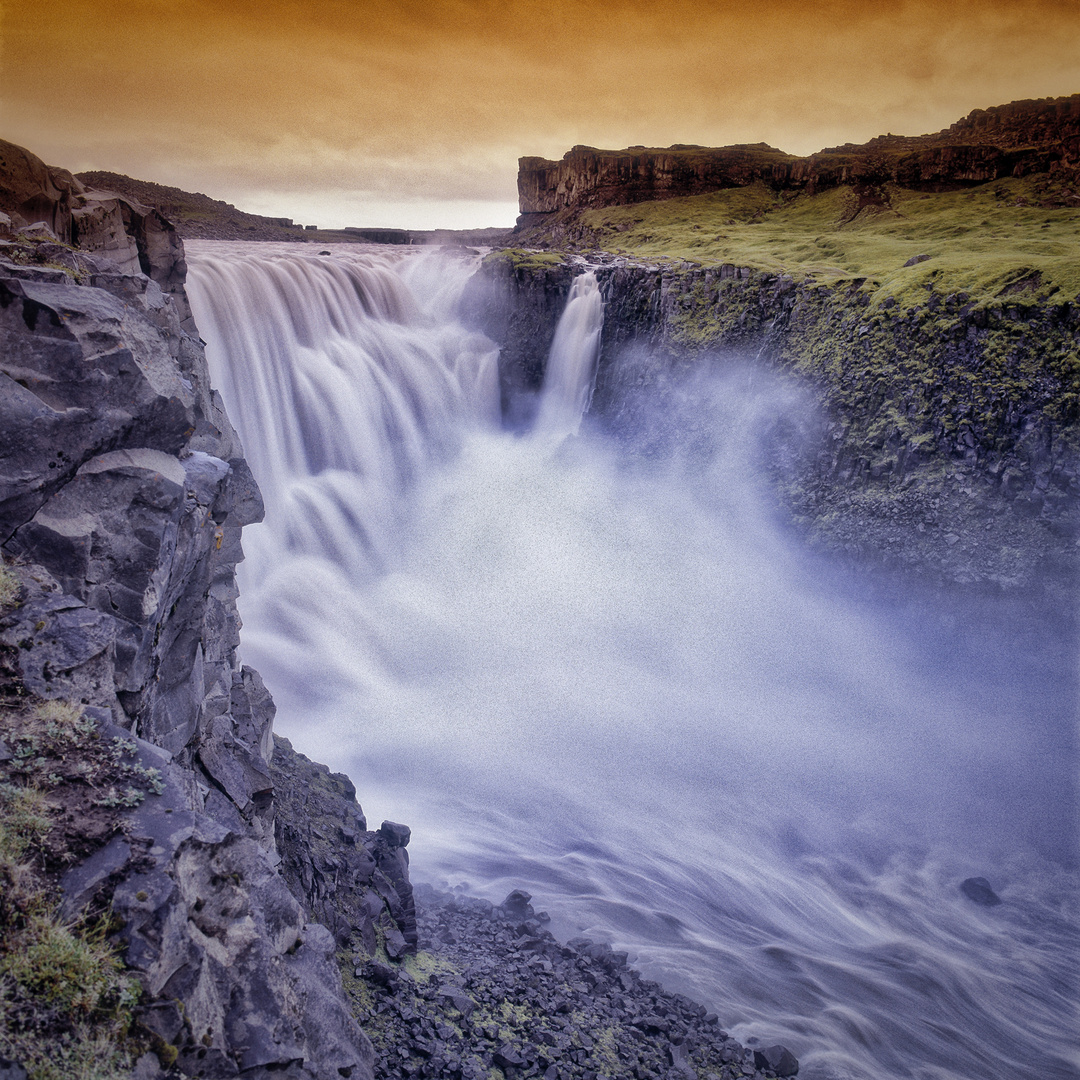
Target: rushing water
(596,668)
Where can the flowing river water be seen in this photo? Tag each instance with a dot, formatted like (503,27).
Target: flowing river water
(596,666)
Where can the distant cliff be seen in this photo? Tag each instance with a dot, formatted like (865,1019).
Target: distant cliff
(1018,139)
(198,217)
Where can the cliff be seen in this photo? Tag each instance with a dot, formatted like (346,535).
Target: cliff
(1012,140)
(195,216)
(138,775)
(192,214)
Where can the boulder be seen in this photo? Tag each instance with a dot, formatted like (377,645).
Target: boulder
(979,891)
(31,191)
(776,1059)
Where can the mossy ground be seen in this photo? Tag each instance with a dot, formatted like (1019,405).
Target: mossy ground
(66,1003)
(959,371)
(524,259)
(65,1000)
(1014,233)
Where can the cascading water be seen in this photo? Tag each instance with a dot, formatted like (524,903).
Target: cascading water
(571,366)
(598,670)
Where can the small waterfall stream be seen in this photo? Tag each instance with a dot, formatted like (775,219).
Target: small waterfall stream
(571,366)
(608,677)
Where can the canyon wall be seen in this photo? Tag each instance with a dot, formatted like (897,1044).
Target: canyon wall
(1011,140)
(123,492)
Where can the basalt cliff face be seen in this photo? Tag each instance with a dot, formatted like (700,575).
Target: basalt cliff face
(1018,139)
(918,290)
(123,492)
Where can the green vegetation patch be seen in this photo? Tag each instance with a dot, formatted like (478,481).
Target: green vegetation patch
(1008,238)
(65,1000)
(9,587)
(523,259)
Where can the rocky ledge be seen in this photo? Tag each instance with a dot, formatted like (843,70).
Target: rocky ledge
(942,442)
(140,789)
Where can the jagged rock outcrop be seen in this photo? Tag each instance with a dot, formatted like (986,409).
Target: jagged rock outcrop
(130,236)
(198,217)
(353,880)
(495,990)
(517,302)
(123,492)
(1010,140)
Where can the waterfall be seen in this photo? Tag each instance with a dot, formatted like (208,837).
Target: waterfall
(571,366)
(601,671)
(344,384)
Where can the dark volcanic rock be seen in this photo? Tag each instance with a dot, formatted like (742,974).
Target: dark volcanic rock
(918,446)
(979,891)
(130,237)
(517,905)
(490,987)
(354,881)
(777,1059)
(518,305)
(123,491)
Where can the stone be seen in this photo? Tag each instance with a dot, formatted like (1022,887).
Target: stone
(31,191)
(359,889)
(459,999)
(11,1070)
(517,904)
(394,834)
(509,1056)
(979,891)
(776,1059)
(98,227)
(122,493)
(64,648)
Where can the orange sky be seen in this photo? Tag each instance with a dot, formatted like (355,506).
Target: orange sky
(414,112)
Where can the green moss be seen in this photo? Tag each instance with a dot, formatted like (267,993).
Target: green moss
(423,965)
(986,240)
(524,259)
(9,587)
(65,1000)
(604,1056)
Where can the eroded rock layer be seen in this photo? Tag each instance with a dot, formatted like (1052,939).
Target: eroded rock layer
(1010,140)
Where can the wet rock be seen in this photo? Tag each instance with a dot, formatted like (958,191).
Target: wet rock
(459,999)
(979,891)
(360,890)
(509,1056)
(11,1070)
(394,834)
(517,904)
(122,494)
(776,1059)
